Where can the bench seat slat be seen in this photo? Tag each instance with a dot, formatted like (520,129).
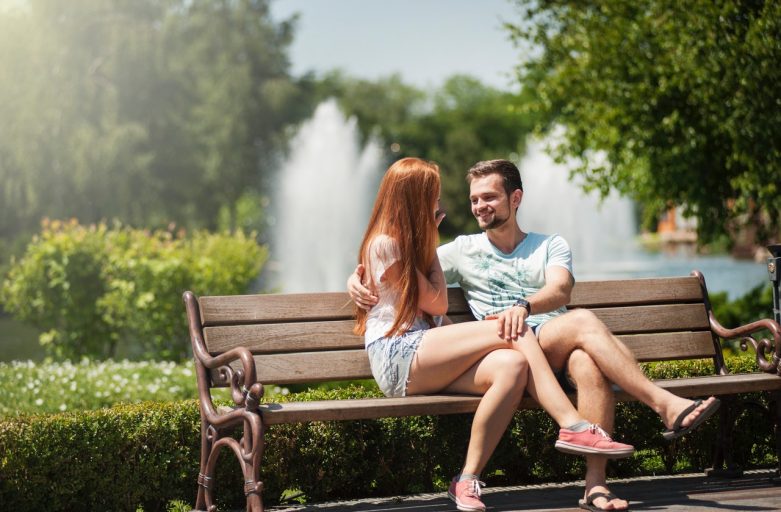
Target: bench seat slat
(372,408)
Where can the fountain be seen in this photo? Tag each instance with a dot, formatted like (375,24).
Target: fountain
(327,187)
(322,203)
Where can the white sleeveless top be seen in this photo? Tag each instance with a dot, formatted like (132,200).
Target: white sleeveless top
(382,253)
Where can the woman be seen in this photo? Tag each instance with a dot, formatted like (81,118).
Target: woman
(410,355)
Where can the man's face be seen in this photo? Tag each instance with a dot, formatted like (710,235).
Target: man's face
(491,205)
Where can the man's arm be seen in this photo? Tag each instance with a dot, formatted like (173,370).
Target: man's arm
(556,293)
(360,294)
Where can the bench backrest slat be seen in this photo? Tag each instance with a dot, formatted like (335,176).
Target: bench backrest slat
(308,337)
(668,290)
(337,334)
(353,364)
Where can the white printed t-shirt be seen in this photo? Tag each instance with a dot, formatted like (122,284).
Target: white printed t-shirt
(492,281)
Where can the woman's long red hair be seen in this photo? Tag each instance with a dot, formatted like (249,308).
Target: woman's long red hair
(404,211)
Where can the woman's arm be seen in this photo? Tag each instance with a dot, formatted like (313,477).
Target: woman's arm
(432,290)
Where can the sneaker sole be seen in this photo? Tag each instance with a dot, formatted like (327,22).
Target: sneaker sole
(576,449)
(464,508)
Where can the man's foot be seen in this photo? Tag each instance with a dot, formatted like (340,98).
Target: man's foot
(691,417)
(466,495)
(592,441)
(599,500)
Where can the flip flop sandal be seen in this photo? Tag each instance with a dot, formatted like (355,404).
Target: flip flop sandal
(588,503)
(677,430)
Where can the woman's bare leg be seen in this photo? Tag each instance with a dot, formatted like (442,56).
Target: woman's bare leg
(501,378)
(448,352)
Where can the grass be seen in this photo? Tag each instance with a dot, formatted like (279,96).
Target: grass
(27,387)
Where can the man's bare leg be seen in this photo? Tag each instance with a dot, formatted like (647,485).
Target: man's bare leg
(596,403)
(581,329)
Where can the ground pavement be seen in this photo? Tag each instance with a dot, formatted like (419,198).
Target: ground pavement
(756,491)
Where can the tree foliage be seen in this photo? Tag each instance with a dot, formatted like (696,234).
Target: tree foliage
(149,111)
(672,103)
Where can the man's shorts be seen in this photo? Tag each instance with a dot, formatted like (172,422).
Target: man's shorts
(561,374)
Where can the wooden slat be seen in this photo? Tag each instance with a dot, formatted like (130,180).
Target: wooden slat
(371,408)
(246,309)
(672,345)
(309,367)
(301,367)
(636,291)
(337,335)
(290,337)
(299,307)
(638,319)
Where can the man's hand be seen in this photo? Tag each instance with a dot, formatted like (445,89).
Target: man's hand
(360,294)
(511,322)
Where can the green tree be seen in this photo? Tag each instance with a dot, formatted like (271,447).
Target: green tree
(671,103)
(149,111)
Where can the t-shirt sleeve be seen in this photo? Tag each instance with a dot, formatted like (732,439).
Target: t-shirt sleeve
(448,258)
(383,252)
(559,253)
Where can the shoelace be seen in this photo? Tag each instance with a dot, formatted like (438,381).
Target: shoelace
(596,429)
(473,491)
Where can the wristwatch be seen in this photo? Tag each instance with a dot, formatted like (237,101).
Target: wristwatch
(524,304)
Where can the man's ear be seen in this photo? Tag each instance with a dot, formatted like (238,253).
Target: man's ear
(515,198)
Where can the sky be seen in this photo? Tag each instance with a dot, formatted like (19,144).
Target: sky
(425,41)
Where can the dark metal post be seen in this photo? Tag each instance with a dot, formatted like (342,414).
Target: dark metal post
(774,272)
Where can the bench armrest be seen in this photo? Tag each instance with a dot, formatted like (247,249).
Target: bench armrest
(245,390)
(762,348)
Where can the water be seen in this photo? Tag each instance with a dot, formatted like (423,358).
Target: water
(603,234)
(322,204)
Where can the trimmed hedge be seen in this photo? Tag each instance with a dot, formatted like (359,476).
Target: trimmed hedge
(146,455)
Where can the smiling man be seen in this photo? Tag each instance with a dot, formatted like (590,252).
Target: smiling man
(524,281)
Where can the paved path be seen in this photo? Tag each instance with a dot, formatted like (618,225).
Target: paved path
(755,492)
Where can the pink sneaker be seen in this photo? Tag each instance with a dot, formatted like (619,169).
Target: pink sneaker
(592,441)
(466,494)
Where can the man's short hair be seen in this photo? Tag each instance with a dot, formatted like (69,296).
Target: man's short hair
(511,176)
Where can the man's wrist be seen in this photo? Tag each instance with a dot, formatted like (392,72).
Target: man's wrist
(525,304)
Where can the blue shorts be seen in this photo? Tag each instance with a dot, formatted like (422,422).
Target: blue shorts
(391,358)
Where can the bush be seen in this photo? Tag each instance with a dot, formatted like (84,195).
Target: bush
(94,289)
(147,454)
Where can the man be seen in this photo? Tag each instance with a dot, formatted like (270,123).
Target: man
(524,280)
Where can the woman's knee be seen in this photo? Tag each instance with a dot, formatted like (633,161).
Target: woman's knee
(511,368)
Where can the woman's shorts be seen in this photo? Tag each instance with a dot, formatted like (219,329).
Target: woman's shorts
(391,358)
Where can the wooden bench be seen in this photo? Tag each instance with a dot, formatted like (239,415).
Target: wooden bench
(246,342)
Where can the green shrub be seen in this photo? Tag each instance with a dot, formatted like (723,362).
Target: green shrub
(94,290)
(147,454)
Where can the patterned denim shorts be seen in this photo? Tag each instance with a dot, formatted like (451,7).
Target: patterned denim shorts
(391,359)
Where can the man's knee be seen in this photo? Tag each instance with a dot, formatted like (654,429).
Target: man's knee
(585,373)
